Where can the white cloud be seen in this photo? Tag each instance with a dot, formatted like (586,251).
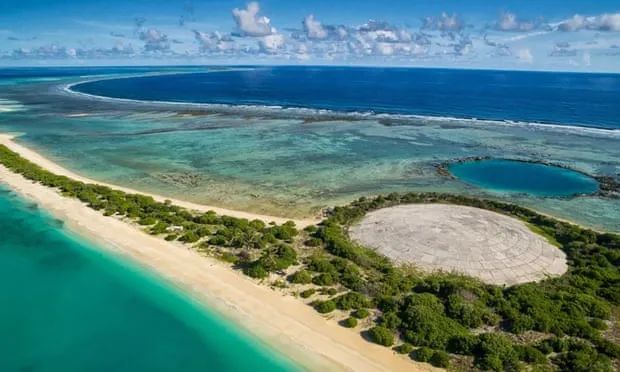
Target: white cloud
(154,40)
(444,22)
(603,22)
(510,22)
(53,51)
(214,42)
(525,55)
(314,29)
(271,44)
(250,23)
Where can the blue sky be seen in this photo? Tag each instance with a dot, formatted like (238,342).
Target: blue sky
(537,35)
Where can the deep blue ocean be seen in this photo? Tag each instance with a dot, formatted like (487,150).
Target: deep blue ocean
(591,100)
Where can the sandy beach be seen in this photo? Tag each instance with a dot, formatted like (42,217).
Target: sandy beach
(281,321)
(8,141)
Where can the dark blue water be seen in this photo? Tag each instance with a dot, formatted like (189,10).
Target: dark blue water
(522,177)
(591,100)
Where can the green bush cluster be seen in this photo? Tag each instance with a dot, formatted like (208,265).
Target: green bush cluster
(325,307)
(381,335)
(300,277)
(361,313)
(405,348)
(307,293)
(350,322)
(437,358)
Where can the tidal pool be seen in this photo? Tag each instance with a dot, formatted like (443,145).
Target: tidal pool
(513,176)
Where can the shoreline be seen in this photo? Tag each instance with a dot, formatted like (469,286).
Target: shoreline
(33,156)
(283,322)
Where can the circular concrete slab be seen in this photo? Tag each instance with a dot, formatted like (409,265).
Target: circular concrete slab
(490,246)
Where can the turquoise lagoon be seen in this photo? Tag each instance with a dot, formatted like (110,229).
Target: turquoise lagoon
(512,176)
(68,307)
(295,162)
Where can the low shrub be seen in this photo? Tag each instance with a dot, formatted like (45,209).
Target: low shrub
(440,359)
(361,313)
(300,277)
(381,335)
(423,354)
(350,322)
(325,307)
(307,293)
(405,348)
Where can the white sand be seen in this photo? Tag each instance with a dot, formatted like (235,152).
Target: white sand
(281,321)
(490,246)
(7,140)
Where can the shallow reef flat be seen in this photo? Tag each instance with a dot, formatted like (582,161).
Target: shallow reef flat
(296,166)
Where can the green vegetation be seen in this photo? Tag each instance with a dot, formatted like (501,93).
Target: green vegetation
(350,322)
(323,279)
(307,293)
(381,335)
(325,307)
(405,348)
(437,358)
(300,277)
(439,311)
(261,249)
(436,313)
(361,313)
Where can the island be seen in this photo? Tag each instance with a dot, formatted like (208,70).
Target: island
(306,286)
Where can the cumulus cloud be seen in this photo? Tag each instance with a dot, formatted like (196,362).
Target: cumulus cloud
(214,42)
(603,22)
(384,32)
(154,40)
(525,55)
(444,22)
(314,29)
(271,44)
(53,51)
(377,38)
(250,23)
(511,23)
